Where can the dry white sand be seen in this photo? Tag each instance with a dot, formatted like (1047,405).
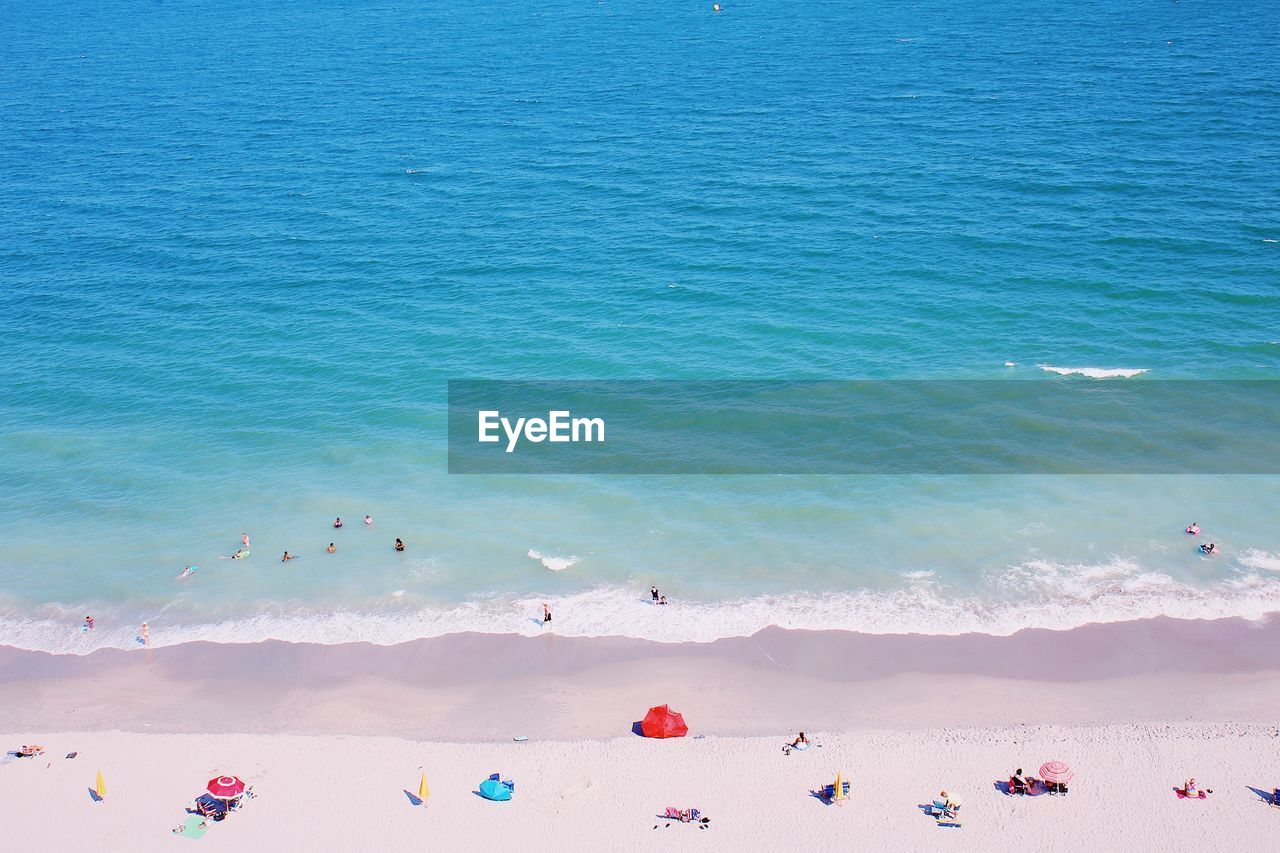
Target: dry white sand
(348,793)
(337,734)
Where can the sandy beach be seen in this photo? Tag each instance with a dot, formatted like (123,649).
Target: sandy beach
(325,733)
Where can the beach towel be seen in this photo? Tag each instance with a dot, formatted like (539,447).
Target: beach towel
(193,827)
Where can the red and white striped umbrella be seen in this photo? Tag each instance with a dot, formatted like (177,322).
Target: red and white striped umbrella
(226,787)
(1055,771)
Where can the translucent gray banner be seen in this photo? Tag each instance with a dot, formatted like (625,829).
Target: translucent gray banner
(1048,426)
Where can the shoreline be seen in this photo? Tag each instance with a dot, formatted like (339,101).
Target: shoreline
(483,687)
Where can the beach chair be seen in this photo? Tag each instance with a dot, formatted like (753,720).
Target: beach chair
(829,791)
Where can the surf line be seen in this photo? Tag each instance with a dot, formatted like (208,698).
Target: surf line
(558,426)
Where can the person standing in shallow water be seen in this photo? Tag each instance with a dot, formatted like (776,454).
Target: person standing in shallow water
(653,592)
(399,544)
(546,613)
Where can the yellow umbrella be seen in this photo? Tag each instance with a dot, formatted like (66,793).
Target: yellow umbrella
(100,788)
(423,790)
(839,789)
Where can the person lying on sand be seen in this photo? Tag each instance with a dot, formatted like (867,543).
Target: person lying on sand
(30,751)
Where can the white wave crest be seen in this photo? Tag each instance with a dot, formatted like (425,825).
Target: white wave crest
(1034,594)
(1094,372)
(1256,559)
(555,564)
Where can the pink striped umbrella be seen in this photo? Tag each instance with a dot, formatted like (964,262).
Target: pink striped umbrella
(226,787)
(1056,771)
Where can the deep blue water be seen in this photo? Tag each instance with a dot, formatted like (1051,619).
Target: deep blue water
(244,245)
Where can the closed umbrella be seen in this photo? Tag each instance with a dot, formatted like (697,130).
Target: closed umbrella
(1056,771)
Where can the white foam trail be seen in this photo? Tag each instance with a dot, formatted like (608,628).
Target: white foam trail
(1034,594)
(1094,372)
(1255,559)
(555,564)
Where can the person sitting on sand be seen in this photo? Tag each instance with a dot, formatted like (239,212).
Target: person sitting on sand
(331,549)
(337,522)
(287,557)
(1191,792)
(800,740)
(662,599)
(946,806)
(399,544)
(1193,529)
(1017,785)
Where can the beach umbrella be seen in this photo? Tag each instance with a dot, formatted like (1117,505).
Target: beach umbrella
(423,790)
(661,721)
(100,787)
(226,787)
(838,791)
(492,789)
(1056,771)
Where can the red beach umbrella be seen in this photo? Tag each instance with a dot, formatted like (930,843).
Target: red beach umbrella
(226,787)
(1055,771)
(661,721)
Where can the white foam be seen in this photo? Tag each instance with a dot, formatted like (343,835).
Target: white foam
(1094,372)
(555,564)
(1256,559)
(1033,594)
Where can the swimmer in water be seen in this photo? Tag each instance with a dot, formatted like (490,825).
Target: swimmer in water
(287,557)
(244,539)
(662,600)
(368,519)
(1209,549)
(331,549)
(399,545)
(1193,528)
(238,555)
(337,522)
(88,623)
(145,635)
(188,570)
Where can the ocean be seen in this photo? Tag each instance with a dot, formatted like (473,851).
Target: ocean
(244,246)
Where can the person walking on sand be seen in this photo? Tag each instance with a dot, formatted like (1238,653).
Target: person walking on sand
(145,635)
(546,613)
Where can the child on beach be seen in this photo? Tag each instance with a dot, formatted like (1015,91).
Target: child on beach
(144,635)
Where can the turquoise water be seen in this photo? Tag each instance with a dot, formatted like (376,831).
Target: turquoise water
(243,246)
